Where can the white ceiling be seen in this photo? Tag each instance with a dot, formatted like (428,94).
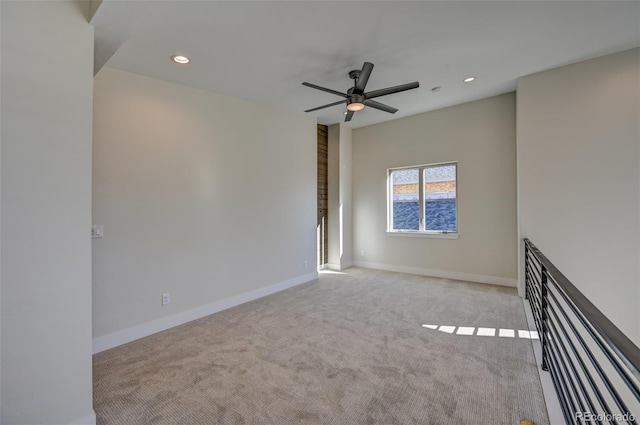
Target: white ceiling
(263,50)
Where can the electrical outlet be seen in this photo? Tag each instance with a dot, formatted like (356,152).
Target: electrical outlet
(362,252)
(306,264)
(166,298)
(97,231)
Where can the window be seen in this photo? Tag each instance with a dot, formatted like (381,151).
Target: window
(423,198)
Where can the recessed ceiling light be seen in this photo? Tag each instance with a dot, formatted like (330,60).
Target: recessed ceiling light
(182,60)
(469,79)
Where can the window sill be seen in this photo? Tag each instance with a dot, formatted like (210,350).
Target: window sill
(418,234)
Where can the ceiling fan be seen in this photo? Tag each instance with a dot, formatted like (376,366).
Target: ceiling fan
(356,98)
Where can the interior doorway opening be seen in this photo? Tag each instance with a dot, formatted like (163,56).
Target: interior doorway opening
(323,195)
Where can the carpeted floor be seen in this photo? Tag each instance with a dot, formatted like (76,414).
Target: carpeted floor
(347,349)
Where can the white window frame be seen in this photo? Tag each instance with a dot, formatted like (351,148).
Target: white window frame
(438,234)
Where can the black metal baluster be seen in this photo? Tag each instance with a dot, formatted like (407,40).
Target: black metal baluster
(544,317)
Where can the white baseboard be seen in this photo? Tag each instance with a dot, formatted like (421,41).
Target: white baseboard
(492,280)
(338,267)
(124,336)
(87,420)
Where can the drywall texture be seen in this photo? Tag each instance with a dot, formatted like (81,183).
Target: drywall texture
(201,195)
(333,217)
(339,217)
(579,178)
(481,137)
(346,204)
(47,89)
(0,220)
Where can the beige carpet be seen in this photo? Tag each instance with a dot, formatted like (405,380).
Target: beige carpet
(346,349)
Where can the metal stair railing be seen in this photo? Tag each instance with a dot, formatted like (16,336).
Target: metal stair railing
(594,367)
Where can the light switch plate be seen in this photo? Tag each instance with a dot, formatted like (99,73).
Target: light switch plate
(97,231)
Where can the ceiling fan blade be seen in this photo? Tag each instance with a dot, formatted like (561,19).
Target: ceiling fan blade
(313,86)
(348,116)
(364,76)
(326,106)
(390,90)
(381,106)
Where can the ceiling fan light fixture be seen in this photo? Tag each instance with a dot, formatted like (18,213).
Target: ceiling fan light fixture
(355,103)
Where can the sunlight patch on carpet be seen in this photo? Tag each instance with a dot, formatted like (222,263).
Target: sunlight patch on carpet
(471,331)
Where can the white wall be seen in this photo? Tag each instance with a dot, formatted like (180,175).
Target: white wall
(579,178)
(346,205)
(481,137)
(0,219)
(333,197)
(201,195)
(339,220)
(46,84)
